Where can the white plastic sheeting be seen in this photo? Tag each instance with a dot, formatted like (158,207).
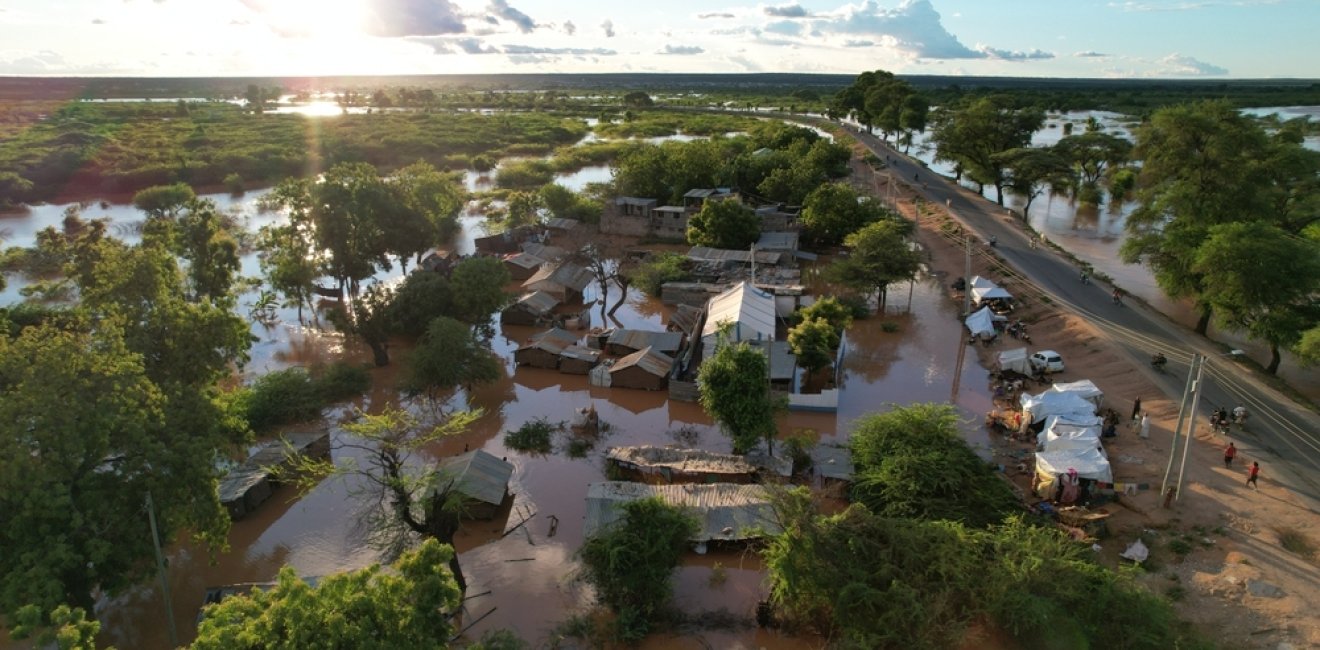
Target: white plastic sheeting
(1060,434)
(1083,388)
(1050,403)
(1090,463)
(1015,360)
(981,323)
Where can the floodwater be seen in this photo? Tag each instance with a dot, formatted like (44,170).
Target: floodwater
(531,576)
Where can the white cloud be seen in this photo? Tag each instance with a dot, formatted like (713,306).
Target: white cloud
(858,43)
(1184,5)
(413,18)
(1177,65)
(786,11)
(684,50)
(608,27)
(502,9)
(715,14)
(913,28)
(784,27)
(569,28)
(575,51)
(1091,54)
(48,62)
(1011,55)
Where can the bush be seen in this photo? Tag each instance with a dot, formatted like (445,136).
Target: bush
(234,183)
(889,326)
(341,381)
(524,174)
(631,562)
(533,436)
(281,397)
(857,306)
(659,269)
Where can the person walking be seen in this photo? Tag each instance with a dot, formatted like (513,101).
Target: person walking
(1230,452)
(1253,475)
(1145,426)
(1136,409)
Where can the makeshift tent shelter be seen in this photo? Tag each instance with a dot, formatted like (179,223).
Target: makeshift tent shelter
(1039,407)
(1015,360)
(1060,434)
(979,282)
(990,293)
(1089,462)
(982,323)
(1083,388)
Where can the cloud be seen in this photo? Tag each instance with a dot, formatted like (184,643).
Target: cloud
(858,43)
(569,28)
(392,18)
(574,51)
(502,9)
(1177,65)
(48,62)
(785,27)
(786,11)
(1011,55)
(608,26)
(98,21)
(683,50)
(913,27)
(1183,5)
(716,14)
(1091,54)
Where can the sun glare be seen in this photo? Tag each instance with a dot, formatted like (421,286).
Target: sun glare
(318,18)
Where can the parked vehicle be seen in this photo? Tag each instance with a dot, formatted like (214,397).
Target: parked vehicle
(1047,361)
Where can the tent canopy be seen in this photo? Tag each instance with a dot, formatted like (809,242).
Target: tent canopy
(991,293)
(1059,434)
(981,323)
(1054,403)
(1015,360)
(979,282)
(1083,388)
(1090,463)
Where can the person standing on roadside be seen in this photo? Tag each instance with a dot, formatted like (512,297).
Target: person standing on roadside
(1253,475)
(1230,452)
(1136,409)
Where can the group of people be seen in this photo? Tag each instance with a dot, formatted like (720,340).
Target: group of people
(1219,418)
(1018,330)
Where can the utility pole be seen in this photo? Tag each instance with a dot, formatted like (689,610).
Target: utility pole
(967,276)
(1182,414)
(160,570)
(1191,425)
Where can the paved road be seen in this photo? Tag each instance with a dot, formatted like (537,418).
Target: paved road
(1280,432)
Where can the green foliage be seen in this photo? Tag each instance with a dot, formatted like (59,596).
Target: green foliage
(370,608)
(498,640)
(164,201)
(813,341)
(912,462)
(234,184)
(876,582)
(421,298)
(637,98)
(735,391)
(833,211)
(65,629)
(889,326)
(658,269)
(524,174)
(1031,170)
(449,356)
(830,309)
(879,255)
(535,436)
(567,204)
(798,446)
(1093,152)
(724,224)
(294,395)
(972,133)
(478,289)
(631,562)
(878,98)
(1309,346)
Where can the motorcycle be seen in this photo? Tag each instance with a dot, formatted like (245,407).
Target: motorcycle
(1158,362)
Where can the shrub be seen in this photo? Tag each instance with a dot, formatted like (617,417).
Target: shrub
(340,381)
(281,397)
(234,183)
(533,436)
(889,326)
(659,269)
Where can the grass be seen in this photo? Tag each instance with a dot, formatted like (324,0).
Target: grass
(1295,542)
(579,448)
(889,326)
(718,576)
(535,436)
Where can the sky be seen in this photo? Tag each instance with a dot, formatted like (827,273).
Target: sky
(1028,38)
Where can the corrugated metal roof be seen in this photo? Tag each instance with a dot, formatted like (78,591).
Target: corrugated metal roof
(633,200)
(647,359)
(567,275)
(524,260)
(264,461)
(745,305)
(553,341)
(699,193)
(538,302)
(581,353)
(833,461)
(667,342)
(671,208)
(549,253)
(706,254)
(724,511)
(782,361)
(560,223)
(777,241)
(685,318)
(478,475)
(692,461)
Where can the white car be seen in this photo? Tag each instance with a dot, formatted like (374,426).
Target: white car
(1047,360)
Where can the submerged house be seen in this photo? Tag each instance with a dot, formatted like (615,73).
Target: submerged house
(625,341)
(645,369)
(741,313)
(565,281)
(543,350)
(673,465)
(725,512)
(578,359)
(481,478)
(522,265)
(532,308)
(248,485)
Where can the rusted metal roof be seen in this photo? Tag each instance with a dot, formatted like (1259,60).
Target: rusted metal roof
(524,260)
(478,475)
(548,253)
(566,275)
(687,461)
(268,459)
(647,359)
(553,341)
(685,318)
(539,303)
(724,511)
(581,353)
(667,342)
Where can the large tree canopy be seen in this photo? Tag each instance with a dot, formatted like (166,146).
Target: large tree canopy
(735,390)
(879,255)
(724,224)
(971,134)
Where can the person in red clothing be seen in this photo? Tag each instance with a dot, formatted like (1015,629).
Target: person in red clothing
(1253,474)
(1230,453)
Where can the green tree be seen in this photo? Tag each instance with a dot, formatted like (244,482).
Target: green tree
(205,244)
(1031,170)
(724,224)
(879,255)
(658,269)
(437,197)
(970,135)
(835,210)
(637,99)
(1262,281)
(829,309)
(449,356)
(1309,346)
(912,462)
(1202,165)
(813,341)
(735,390)
(1093,153)
(289,262)
(13,188)
(632,562)
(66,628)
(421,298)
(478,288)
(164,201)
(368,316)
(409,607)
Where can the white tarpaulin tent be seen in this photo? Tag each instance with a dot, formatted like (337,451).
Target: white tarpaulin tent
(1060,434)
(981,323)
(1083,388)
(991,293)
(979,282)
(1076,420)
(1089,462)
(1015,360)
(1050,403)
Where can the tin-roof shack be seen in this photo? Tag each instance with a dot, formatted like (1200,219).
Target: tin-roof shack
(625,341)
(645,369)
(532,308)
(675,465)
(522,265)
(725,511)
(543,350)
(564,281)
(481,478)
(248,485)
(723,256)
(578,359)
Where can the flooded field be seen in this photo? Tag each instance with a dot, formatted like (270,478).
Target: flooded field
(317,533)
